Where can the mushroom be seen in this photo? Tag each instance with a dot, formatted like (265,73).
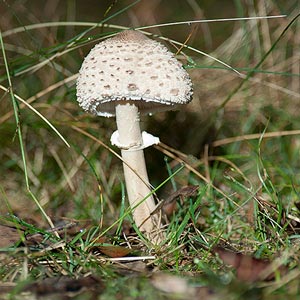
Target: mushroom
(124,76)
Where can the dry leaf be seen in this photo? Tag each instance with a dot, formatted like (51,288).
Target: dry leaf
(169,205)
(170,283)
(114,251)
(62,285)
(248,268)
(181,288)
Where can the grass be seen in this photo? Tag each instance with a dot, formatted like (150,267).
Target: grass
(65,227)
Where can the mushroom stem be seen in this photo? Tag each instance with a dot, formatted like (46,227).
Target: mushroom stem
(136,177)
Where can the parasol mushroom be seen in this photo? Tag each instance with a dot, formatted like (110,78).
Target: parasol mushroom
(125,76)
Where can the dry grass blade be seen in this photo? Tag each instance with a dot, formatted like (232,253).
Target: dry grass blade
(39,114)
(264,17)
(42,93)
(254,136)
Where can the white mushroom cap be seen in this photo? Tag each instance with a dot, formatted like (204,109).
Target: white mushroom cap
(131,67)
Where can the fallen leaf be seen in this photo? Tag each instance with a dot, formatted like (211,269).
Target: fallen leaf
(170,283)
(180,288)
(114,251)
(248,268)
(169,205)
(63,284)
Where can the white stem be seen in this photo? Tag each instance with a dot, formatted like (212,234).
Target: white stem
(136,177)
